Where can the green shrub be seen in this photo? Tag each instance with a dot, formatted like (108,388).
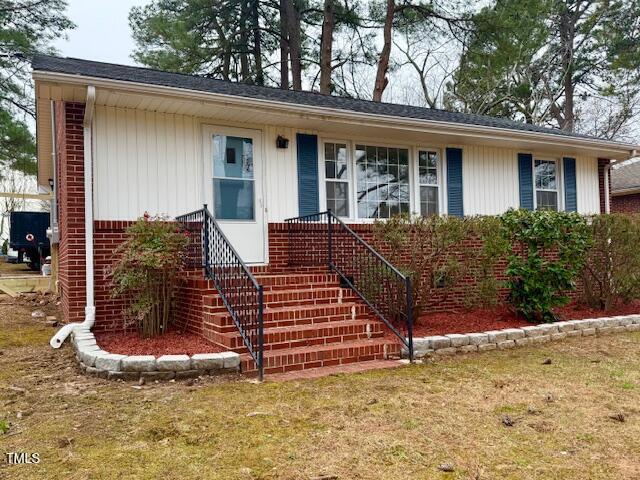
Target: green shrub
(4,426)
(547,252)
(147,269)
(611,273)
(435,252)
(5,247)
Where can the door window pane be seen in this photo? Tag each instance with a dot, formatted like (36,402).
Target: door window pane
(232,157)
(233,188)
(233,199)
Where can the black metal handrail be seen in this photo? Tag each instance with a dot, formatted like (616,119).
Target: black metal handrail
(241,294)
(323,239)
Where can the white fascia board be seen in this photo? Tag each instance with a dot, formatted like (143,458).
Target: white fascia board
(622,151)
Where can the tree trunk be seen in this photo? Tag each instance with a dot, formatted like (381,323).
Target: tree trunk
(567,37)
(257,41)
(326,46)
(284,47)
(245,73)
(383,61)
(295,44)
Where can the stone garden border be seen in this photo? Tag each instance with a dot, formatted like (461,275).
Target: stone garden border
(95,361)
(519,337)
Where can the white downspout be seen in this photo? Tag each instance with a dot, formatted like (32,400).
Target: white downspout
(607,199)
(90,310)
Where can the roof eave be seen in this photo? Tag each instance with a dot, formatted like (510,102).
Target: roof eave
(481,131)
(625,191)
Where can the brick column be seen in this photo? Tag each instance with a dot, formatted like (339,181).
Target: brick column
(70,197)
(602,163)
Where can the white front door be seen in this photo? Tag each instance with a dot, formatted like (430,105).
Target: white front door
(233,171)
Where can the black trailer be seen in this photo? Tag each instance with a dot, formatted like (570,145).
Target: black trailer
(28,235)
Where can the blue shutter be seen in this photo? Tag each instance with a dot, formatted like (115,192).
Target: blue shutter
(308,195)
(525,176)
(454,182)
(570,190)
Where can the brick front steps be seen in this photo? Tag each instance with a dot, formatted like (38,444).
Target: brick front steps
(310,322)
(518,337)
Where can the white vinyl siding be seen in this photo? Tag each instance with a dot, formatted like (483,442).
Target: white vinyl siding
(145,161)
(587,185)
(152,161)
(489,179)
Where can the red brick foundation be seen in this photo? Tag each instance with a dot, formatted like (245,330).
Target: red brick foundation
(625,203)
(107,235)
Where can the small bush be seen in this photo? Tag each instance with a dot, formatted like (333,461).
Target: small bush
(547,252)
(147,269)
(5,247)
(611,273)
(436,252)
(4,427)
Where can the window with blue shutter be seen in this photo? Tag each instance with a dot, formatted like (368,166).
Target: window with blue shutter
(308,196)
(570,190)
(454,182)
(525,177)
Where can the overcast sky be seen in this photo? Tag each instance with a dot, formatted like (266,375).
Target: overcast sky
(102,31)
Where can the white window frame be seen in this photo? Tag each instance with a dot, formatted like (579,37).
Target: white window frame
(441,184)
(349,180)
(411,152)
(559,190)
(414,177)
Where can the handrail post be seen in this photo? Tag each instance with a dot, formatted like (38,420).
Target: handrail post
(205,231)
(409,317)
(329,240)
(260,333)
(289,235)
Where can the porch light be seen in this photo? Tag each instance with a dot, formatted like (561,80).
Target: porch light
(51,184)
(282,142)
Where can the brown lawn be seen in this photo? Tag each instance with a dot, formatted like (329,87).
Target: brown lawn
(392,424)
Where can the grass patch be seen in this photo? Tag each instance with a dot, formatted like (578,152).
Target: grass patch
(394,424)
(24,337)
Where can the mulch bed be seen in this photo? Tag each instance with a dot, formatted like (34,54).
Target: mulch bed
(501,317)
(173,342)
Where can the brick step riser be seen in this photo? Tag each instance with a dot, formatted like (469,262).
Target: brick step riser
(277,298)
(295,317)
(279,364)
(322,334)
(305,342)
(230,327)
(299,286)
(298,281)
(266,270)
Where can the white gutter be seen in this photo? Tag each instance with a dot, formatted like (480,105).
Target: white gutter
(335,114)
(90,310)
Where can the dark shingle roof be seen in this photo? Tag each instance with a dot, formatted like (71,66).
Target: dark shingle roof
(193,82)
(626,176)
